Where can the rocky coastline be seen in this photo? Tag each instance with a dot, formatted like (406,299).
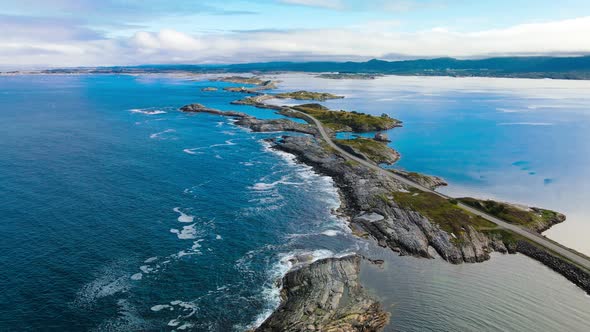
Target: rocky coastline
(386,210)
(326,295)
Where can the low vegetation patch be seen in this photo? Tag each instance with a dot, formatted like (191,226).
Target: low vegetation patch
(243,80)
(306,95)
(532,218)
(376,151)
(447,215)
(348,121)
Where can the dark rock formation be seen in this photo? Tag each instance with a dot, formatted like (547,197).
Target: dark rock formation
(367,200)
(198,108)
(307,95)
(258,125)
(326,296)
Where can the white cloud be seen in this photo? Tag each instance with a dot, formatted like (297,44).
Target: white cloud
(355,43)
(331,4)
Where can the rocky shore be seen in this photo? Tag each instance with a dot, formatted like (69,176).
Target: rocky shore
(326,296)
(369,203)
(393,214)
(254,124)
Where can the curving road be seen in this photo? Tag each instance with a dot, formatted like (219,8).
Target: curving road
(579,259)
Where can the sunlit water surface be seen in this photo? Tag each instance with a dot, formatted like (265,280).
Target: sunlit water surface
(121,213)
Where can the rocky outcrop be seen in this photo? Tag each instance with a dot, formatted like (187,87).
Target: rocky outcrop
(381,137)
(547,222)
(533,218)
(369,150)
(198,108)
(307,95)
(326,296)
(368,202)
(260,84)
(209,89)
(258,125)
(428,181)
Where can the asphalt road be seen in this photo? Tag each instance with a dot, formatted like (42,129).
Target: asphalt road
(534,237)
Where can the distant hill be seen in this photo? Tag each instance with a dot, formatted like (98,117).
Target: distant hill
(525,67)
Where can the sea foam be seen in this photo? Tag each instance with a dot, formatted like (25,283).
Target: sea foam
(183,216)
(147,111)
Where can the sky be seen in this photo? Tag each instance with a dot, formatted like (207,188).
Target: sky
(65,33)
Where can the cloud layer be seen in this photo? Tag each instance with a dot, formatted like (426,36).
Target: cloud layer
(45,42)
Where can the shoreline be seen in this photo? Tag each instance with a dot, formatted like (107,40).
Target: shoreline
(369,220)
(476,253)
(192,75)
(362,224)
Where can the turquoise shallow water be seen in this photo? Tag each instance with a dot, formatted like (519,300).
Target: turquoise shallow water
(121,213)
(518,140)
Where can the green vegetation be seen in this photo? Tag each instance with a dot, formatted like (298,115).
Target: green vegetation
(306,95)
(348,121)
(373,150)
(447,215)
(532,218)
(351,163)
(243,80)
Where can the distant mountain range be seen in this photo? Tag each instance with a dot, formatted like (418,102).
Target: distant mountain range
(524,67)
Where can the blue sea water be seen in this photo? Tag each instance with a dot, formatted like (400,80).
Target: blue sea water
(121,213)
(518,140)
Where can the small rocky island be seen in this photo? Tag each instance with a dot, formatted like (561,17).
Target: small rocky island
(348,121)
(259,84)
(306,95)
(326,296)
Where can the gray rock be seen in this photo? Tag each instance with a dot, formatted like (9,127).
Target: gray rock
(367,194)
(326,296)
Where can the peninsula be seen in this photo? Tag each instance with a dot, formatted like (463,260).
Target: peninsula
(306,95)
(257,83)
(398,209)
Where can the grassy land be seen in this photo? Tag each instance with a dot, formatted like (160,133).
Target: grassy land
(306,95)
(345,121)
(376,151)
(447,215)
(535,219)
(243,80)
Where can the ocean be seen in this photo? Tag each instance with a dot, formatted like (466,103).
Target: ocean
(121,213)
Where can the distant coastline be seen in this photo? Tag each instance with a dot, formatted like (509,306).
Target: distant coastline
(568,68)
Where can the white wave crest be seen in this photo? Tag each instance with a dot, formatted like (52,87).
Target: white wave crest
(159,134)
(229,142)
(186,233)
(183,216)
(261,186)
(147,111)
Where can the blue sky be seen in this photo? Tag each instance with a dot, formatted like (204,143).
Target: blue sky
(108,32)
